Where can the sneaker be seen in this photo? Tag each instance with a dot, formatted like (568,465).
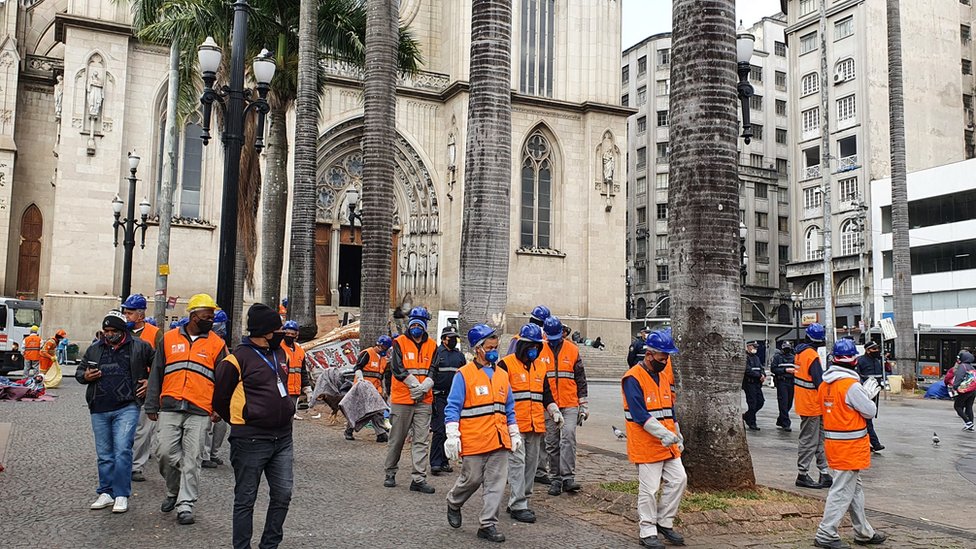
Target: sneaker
(826,481)
(185,517)
(103,501)
(121,505)
(382,438)
(968,427)
(556,488)
(453,517)
(877,539)
(137,476)
(390,481)
(671,536)
(168,504)
(422,487)
(209,464)
(491,534)
(652,542)
(878,448)
(804,481)
(832,544)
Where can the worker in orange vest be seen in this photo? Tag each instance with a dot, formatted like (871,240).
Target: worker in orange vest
(134,310)
(846,404)
(32,353)
(49,348)
(806,380)
(299,382)
(533,398)
(180,400)
(372,367)
(218,429)
(481,426)
(654,441)
(410,400)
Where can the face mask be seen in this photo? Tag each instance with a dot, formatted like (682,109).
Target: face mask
(205,325)
(382,353)
(753,351)
(532,353)
(452,343)
(114,339)
(492,356)
(658,366)
(289,340)
(275,341)
(416,332)
(130,325)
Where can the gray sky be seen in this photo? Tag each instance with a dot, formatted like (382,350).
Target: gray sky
(642,18)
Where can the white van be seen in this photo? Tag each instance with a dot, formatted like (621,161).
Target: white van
(16,318)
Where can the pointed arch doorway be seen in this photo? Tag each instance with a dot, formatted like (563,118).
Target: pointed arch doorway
(29,263)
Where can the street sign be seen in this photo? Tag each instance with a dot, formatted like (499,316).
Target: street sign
(809,318)
(887,329)
(164,269)
(925,327)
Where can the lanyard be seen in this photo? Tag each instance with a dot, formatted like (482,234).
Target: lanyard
(266,361)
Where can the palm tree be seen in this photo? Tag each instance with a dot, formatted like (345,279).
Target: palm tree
(703,232)
(378,141)
(485,238)
(901,256)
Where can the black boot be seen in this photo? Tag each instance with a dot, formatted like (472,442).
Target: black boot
(453,517)
(390,481)
(523,515)
(348,434)
(804,481)
(421,486)
(878,539)
(651,541)
(382,438)
(671,536)
(571,486)
(826,481)
(556,487)
(491,534)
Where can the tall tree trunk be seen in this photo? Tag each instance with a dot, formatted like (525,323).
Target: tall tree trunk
(703,230)
(168,183)
(301,264)
(382,35)
(901,255)
(274,209)
(827,233)
(485,238)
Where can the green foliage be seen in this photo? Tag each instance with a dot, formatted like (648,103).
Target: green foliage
(721,500)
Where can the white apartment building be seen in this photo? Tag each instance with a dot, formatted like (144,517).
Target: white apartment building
(763,172)
(937,58)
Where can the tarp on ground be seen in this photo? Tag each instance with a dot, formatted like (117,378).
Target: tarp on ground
(938,391)
(362,404)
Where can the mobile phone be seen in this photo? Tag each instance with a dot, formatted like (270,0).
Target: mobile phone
(89,365)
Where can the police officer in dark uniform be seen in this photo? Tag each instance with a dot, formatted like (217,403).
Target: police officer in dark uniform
(870,365)
(752,382)
(635,355)
(782,367)
(444,364)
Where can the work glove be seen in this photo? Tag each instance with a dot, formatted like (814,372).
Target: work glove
(358,377)
(308,392)
(555,414)
(584,413)
(681,438)
(662,433)
(420,391)
(513,431)
(411,381)
(872,387)
(452,447)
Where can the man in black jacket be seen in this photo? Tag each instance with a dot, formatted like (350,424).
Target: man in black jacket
(114,368)
(635,354)
(870,365)
(445,363)
(752,382)
(251,395)
(782,367)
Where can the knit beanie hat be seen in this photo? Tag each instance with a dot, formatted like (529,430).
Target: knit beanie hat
(262,319)
(115,320)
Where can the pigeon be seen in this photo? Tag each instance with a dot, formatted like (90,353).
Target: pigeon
(935,439)
(618,433)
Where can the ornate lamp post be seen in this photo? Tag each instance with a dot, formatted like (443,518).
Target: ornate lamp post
(235,101)
(745,43)
(797,298)
(129,225)
(352,199)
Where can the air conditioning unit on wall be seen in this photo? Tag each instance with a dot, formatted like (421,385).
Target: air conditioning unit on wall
(839,77)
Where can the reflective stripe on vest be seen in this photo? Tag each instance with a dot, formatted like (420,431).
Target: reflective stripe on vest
(642,447)
(189,366)
(846,441)
(845,435)
(560,372)
(484,421)
(666,413)
(804,383)
(483,410)
(805,398)
(528,384)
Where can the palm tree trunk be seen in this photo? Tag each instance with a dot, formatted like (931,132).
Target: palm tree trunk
(274,211)
(382,36)
(301,264)
(485,238)
(703,231)
(901,255)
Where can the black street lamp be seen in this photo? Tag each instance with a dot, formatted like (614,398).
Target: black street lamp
(352,199)
(797,298)
(129,225)
(235,101)
(743,254)
(745,43)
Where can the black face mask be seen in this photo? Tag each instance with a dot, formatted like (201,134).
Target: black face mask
(289,340)
(115,338)
(658,366)
(275,341)
(204,325)
(452,343)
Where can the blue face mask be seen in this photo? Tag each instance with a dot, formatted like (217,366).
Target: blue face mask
(532,353)
(416,331)
(492,356)
(130,325)
(382,353)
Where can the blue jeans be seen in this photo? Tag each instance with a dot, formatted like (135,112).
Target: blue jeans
(114,433)
(251,458)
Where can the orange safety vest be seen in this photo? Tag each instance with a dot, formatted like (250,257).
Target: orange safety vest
(47,351)
(32,347)
(189,367)
(846,441)
(806,401)
(416,362)
(149,334)
(560,373)
(295,359)
(527,386)
(643,447)
(375,369)
(484,423)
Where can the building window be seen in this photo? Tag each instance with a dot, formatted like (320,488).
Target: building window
(810,120)
(537,188)
(625,75)
(807,6)
(756,160)
(662,273)
(780,107)
(762,190)
(967,66)
(664,87)
(641,95)
(813,290)
(849,237)
(843,28)
(641,66)
(642,275)
(762,279)
(755,73)
(970,144)
(641,185)
(939,258)
(850,286)
(847,189)
(779,48)
(641,216)
(780,80)
(661,181)
(664,57)
(847,152)
(662,118)
(845,68)
(810,83)
(762,252)
(784,254)
(662,212)
(812,198)
(625,100)
(755,102)
(189,169)
(762,220)
(757,132)
(965,33)
(782,167)
(641,158)
(812,240)
(537,46)
(662,152)
(784,224)
(808,42)
(846,108)
(641,125)
(781,136)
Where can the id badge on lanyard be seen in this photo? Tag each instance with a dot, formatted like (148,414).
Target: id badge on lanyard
(282,390)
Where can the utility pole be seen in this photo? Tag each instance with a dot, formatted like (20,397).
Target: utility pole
(166,187)
(826,197)
(862,211)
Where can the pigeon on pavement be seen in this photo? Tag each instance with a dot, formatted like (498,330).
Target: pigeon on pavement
(618,433)
(935,439)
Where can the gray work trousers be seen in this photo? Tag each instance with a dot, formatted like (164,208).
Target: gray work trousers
(845,495)
(811,444)
(521,470)
(142,446)
(31,368)
(215,439)
(651,512)
(488,471)
(561,445)
(415,421)
(181,437)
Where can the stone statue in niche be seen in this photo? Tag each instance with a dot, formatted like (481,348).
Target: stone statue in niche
(432,258)
(412,261)
(58,96)
(422,269)
(609,158)
(95,93)
(404,267)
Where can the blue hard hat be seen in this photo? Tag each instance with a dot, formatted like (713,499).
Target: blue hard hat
(531,332)
(844,348)
(151,320)
(419,313)
(541,313)
(220,316)
(284,302)
(479,334)
(290,325)
(662,342)
(816,332)
(553,328)
(135,302)
(182,322)
(384,341)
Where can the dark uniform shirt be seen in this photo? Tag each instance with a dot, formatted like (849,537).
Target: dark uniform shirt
(443,366)
(754,371)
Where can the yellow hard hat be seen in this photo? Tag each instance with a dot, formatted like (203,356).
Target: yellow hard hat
(34,328)
(201,301)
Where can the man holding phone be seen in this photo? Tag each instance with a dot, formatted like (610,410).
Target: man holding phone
(114,368)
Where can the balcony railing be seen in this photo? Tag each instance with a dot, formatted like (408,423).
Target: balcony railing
(421,80)
(848,163)
(811,172)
